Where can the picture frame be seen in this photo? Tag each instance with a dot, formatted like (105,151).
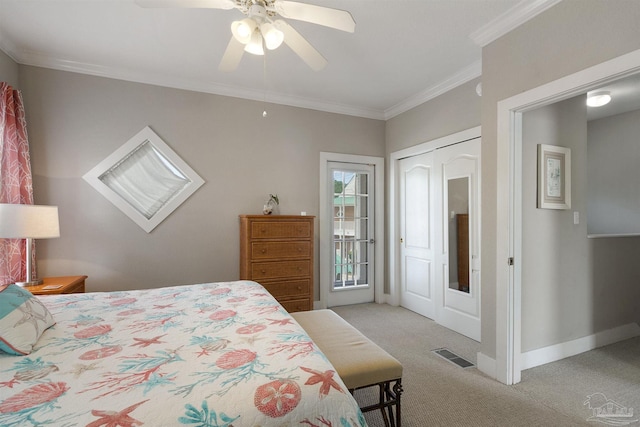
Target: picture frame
(145,179)
(554,177)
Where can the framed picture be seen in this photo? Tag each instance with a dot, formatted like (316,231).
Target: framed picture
(554,177)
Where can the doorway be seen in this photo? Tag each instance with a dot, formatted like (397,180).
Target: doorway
(436,256)
(351,229)
(507,365)
(351,196)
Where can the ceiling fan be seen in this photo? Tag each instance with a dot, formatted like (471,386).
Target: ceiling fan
(262,28)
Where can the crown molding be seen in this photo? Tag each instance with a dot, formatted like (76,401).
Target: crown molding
(463,76)
(38,60)
(8,47)
(511,19)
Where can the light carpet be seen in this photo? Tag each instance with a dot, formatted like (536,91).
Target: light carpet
(439,393)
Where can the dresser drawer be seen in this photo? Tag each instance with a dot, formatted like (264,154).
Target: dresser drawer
(271,250)
(276,269)
(289,288)
(280,229)
(296,305)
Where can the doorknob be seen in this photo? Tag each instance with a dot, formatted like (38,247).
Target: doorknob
(372,240)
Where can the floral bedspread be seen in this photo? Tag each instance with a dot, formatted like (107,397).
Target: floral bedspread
(215,354)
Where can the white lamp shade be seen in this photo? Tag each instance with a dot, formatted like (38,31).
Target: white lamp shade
(243,30)
(255,45)
(28,221)
(273,37)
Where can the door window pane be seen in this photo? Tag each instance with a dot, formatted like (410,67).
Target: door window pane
(351,229)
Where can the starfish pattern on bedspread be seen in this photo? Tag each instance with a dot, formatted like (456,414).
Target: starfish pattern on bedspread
(211,355)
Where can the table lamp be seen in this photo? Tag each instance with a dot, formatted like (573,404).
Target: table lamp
(29,222)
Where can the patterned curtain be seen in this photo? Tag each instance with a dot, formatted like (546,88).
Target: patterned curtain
(15,177)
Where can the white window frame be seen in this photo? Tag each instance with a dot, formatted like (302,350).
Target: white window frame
(145,136)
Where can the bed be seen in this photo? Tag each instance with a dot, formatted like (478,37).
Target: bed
(214,354)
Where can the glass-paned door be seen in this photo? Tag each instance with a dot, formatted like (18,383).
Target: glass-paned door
(352,239)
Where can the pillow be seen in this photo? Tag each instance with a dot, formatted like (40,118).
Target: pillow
(23,319)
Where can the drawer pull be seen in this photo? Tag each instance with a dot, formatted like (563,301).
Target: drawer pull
(264,251)
(299,288)
(263,271)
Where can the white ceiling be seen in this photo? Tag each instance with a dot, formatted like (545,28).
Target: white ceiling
(625,97)
(402,53)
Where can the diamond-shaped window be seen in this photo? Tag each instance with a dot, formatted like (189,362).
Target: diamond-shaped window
(145,179)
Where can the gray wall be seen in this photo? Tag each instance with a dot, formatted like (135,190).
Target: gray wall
(451,112)
(567,38)
(572,286)
(613,154)
(76,120)
(8,70)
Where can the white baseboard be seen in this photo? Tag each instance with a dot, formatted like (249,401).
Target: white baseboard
(486,365)
(555,352)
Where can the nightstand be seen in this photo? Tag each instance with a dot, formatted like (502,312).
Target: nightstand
(59,285)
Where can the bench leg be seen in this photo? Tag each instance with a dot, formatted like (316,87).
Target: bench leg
(389,397)
(392,398)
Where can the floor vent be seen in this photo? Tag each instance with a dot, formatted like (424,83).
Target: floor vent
(453,358)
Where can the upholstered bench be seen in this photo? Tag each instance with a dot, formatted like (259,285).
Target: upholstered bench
(358,361)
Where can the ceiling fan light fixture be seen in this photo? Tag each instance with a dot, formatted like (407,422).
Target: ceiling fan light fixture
(255,45)
(598,99)
(243,30)
(273,37)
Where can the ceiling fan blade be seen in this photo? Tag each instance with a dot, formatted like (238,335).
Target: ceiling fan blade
(333,18)
(232,55)
(301,46)
(204,4)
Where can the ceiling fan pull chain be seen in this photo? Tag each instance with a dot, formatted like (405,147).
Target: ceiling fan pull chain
(264,84)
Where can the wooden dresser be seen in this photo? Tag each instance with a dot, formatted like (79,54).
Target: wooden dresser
(277,252)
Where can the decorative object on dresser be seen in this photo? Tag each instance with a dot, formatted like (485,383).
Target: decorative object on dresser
(277,252)
(271,205)
(59,285)
(20,221)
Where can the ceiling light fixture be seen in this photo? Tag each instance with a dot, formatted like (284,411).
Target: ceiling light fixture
(255,29)
(598,99)
(273,37)
(242,30)
(269,17)
(255,45)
